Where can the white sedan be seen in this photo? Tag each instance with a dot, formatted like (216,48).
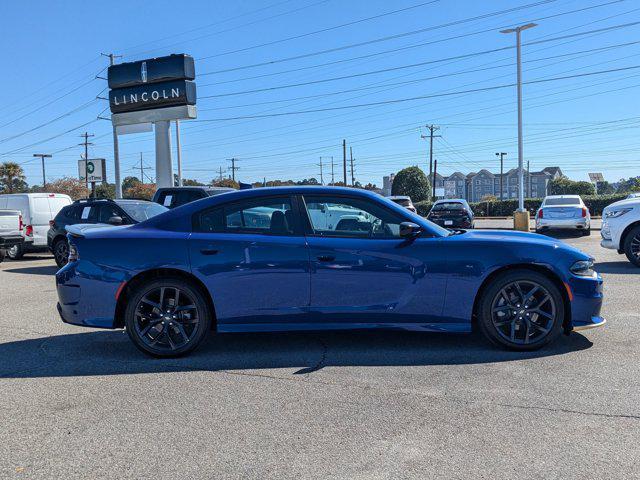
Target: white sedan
(563,212)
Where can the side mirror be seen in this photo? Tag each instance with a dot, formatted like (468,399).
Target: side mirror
(115,220)
(409,229)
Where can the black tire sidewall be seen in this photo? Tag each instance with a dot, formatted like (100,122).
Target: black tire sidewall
(19,252)
(635,232)
(484,311)
(204,326)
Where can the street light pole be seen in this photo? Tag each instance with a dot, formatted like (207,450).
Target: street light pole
(518,31)
(44,177)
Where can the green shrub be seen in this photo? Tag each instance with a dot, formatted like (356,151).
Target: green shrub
(413,182)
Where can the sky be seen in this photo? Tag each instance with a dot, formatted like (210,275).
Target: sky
(281,83)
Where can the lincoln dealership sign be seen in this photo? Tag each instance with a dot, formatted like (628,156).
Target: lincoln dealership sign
(153,83)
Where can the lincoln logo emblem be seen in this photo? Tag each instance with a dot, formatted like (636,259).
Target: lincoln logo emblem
(143,72)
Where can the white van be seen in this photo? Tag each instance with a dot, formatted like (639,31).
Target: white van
(37,210)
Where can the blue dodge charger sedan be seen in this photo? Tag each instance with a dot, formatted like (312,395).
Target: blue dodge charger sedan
(320,258)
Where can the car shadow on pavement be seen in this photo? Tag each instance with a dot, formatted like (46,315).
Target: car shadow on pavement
(111,353)
(562,234)
(40,270)
(622,267)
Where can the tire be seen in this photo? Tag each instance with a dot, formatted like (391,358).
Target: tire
(162,332)
(586,232)
(61,252)
(632,246)
(16,252)
(509,322)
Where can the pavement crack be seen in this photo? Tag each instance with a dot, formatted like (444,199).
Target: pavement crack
(568,410)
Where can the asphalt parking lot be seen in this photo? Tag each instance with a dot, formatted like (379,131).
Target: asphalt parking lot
(79,403)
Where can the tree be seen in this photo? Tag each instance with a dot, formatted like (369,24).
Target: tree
(566,186)
(69,186)
(629,185)
(488,198)
(605,188)
(12,179)
(412,182)
(129,182)
(105,190)
(141,190)
(226,182)
(186,182)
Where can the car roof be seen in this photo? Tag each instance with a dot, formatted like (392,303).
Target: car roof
(562,196)
(195,187)
(399,197)
(449,200)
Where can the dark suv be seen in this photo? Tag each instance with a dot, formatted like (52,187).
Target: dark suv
(98,211)
(452,213)
(172,197)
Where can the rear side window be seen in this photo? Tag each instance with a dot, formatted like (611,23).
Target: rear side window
(272,216)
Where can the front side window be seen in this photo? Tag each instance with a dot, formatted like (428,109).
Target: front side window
(351,217)
(272,216)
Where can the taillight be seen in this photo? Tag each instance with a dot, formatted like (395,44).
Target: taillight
(52,223)
(584,212)
(20,222)
(28,231)
(540,213)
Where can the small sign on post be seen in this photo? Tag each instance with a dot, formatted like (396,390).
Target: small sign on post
(92,170)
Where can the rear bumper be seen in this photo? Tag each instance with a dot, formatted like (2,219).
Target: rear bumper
(83,300)
(455,222)
(561,223)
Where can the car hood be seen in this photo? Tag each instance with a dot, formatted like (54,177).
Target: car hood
(627,202)
(521,239)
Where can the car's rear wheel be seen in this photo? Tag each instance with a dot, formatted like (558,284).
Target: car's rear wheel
(632,246)
(586,232)
(61,252)
(167,318)
(16,252)
(521,310)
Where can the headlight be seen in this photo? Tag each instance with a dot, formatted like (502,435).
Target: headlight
(617,213)
(583,268)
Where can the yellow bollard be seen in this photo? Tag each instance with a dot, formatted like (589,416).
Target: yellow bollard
(521,221)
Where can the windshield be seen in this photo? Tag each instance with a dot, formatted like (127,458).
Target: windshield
(448,206)
(561,201)
(141,211)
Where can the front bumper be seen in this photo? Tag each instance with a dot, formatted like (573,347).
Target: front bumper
(596,322)
(586,302)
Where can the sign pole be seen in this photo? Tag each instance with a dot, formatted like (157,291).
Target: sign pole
(164,167)
(179,153)
(116,163)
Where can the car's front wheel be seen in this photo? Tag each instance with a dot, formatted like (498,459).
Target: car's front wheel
(16,252)
(632,246)
(61,252)
(167,318)
(521,310)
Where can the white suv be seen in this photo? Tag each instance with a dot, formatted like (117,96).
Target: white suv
(621,228)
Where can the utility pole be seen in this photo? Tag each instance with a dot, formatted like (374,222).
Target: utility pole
(233,168)
(501,155)
(179,153)
(44,177)
(353,181)
(435,171)
(344,161)
(86,144)
(332,177)
(220,171)
(321,173)
(116,148)
(141,170)
(528,180)
(432,128)
(521,209)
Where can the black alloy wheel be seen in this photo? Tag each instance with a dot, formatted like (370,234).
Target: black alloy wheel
(167,318)
(632,246)
(522,310)
(61,252)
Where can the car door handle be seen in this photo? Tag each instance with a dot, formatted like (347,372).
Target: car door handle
(208,251)
(326,258)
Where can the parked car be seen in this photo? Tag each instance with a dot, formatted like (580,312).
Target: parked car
(172,197)
(10,230)
(403,201)
(563,212)
(634,195)
(452,213)
(37,210)
(621,228)
(174,278)
(96,211)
